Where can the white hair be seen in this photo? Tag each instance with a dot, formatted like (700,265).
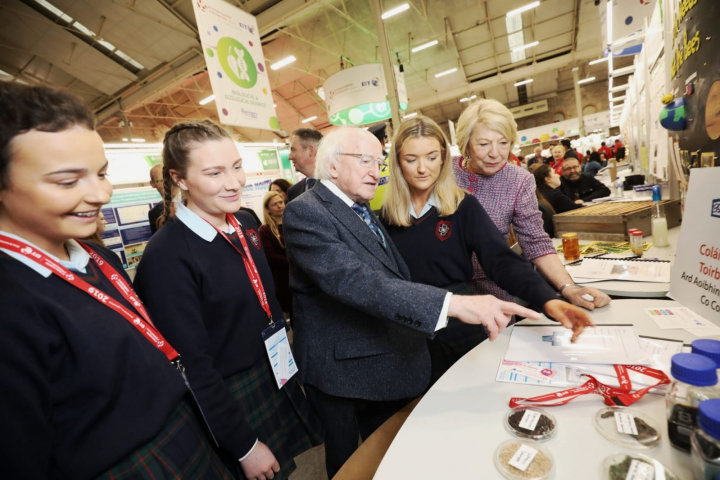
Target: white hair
(331,145)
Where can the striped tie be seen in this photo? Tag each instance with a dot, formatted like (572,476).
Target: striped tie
(364,213)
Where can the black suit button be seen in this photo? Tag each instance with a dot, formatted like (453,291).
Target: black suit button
(417,324)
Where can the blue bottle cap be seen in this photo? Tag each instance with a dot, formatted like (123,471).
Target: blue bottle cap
(709,417)
(708,348)
(694,369)
(656,193)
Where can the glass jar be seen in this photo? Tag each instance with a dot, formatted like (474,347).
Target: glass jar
(708,348)
(571,247)
(706,442)
(636,243)
(695,380)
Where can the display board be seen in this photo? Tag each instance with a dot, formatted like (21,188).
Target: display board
(566,128)
(695,72)
(128,227)
(236,65)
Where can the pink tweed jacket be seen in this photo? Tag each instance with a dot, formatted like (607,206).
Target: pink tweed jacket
(509,198)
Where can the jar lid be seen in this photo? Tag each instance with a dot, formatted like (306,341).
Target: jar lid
(569,236)
(541,467)
(694,369)
(531,422)
(637,233)
(618,465)
(709,417)
(707,348)
(627,427)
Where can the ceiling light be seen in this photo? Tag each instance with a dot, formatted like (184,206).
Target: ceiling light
(523,47)
(523,9)
(125,139)
(207,100)
(138,140)
(524,82)
(585,80)
(467,99)
(599,60)
(446,72)
(395,11)
(423,47)
(410,115)
(283,62)
(608,17)
(309,119)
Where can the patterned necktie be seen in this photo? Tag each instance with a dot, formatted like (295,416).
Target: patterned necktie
(364,213)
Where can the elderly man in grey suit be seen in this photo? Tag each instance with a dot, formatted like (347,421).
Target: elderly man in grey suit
(361,327)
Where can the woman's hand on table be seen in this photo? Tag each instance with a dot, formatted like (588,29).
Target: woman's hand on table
(569,316)
(575,295)
(579,202)
(487,310)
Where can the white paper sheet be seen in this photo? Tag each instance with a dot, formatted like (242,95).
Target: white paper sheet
(629,270)
(683,318)
(605,344)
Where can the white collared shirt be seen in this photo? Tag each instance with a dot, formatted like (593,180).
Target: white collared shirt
(197,224)
(79,258)
(430,203)
(442,320)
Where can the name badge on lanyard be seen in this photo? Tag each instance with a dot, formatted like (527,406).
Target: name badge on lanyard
(274,337)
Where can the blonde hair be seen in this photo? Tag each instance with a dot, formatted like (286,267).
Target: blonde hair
(269,219)
(396,208)
(490,113)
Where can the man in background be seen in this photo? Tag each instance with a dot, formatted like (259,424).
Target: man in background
(538,158)
(606,150)
(156,181)
(580,187)
(303,149)
(569,151)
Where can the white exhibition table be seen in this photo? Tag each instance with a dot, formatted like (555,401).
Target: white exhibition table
(638,289)
(457,427)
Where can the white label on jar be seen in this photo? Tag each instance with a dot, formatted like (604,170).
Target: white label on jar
(523,457)
(529,420)
(625,423)
(640,471)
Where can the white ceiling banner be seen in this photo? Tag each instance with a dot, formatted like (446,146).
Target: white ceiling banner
(236,66)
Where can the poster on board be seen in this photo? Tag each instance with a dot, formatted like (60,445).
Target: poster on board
(236,65)
(695,280)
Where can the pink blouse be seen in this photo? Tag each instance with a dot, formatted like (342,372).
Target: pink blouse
(508,196)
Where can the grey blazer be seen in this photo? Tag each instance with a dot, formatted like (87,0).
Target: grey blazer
(360,325)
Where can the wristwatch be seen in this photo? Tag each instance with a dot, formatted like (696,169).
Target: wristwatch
(560,291)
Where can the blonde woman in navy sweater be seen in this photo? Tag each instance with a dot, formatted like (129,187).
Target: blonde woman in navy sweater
(211,291)
(437,227)
(88,387)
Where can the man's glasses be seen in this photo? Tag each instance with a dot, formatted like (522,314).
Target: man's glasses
(367,160)
(570,169)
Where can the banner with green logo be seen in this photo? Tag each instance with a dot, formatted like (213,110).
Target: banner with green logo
(236,66)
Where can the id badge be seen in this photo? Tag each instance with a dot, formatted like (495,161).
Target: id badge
(277,347)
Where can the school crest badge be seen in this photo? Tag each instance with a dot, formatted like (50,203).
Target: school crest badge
(443,230)
(252,235)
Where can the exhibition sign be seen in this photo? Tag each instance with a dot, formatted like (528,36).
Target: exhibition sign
(566,128)
(236,66)
(627,24)
(696,273)
(359,95)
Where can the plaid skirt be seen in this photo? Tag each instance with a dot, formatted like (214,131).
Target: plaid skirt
(180,450)
(455,340)
(282,419)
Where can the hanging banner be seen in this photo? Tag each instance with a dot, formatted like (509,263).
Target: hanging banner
(695,278)
(236,66)
(628,18)
(359,95)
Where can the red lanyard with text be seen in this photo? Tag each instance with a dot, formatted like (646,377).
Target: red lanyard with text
(249,263)
(613,396)
(145,327)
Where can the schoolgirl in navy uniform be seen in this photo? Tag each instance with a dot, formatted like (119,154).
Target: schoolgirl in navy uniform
(437,227)
(83,393)
(195,283)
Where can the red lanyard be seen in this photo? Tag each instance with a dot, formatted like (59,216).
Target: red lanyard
(613,396)
(145,327)
(249,263)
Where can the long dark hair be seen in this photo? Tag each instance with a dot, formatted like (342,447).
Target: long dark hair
(178,143)
(540,174)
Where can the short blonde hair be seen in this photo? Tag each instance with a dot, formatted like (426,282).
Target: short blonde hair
(396,208)
(490,113)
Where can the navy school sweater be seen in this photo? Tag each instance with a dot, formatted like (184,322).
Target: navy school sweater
(438,251)
(80,388)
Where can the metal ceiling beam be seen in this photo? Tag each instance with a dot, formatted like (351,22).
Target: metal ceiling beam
(507,77)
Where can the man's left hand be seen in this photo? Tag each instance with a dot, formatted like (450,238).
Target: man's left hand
(575,296)
(570,316)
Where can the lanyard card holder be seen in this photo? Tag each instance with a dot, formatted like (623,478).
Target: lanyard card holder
(277,347)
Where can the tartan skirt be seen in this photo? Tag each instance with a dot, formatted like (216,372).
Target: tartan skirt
(455,340)
(282,419)
(180,450)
